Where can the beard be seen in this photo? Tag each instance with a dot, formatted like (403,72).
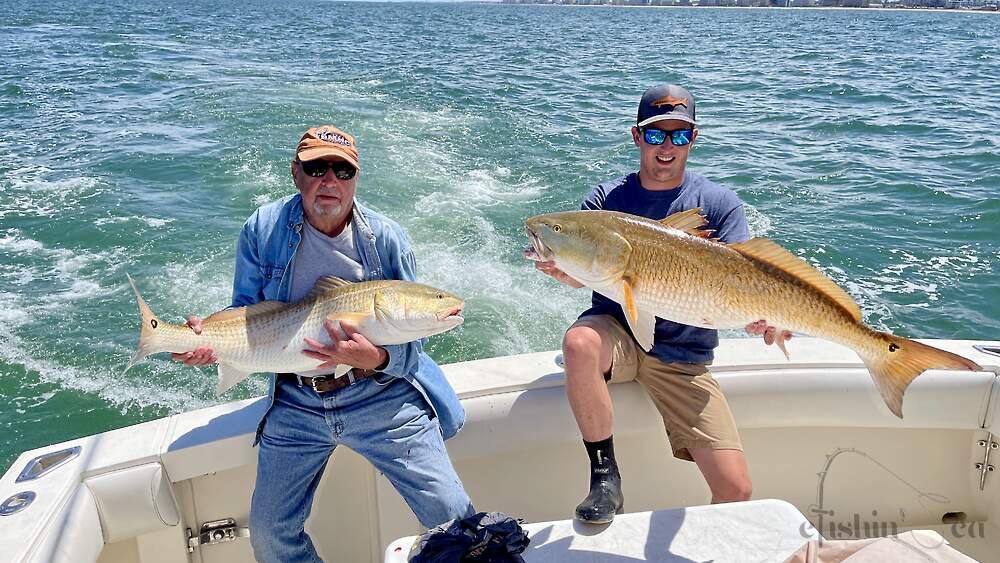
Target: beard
(326,210)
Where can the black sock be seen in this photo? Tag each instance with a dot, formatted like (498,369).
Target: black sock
(602,458)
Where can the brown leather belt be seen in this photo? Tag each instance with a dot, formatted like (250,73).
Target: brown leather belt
(327,383)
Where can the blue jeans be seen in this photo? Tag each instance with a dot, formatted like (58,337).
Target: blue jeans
(388,422)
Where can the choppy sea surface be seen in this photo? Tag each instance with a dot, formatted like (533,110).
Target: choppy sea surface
(136,136)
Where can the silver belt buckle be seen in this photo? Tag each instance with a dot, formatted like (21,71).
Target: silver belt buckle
(312,381)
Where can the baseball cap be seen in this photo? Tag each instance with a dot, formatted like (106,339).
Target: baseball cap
(666,101)
(327,141)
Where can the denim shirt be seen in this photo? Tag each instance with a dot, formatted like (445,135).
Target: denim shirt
(264,256)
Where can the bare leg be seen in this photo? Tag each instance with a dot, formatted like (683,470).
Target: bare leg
(587,357)
(726,473)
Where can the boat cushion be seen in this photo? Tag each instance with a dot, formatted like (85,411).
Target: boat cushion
(133,501)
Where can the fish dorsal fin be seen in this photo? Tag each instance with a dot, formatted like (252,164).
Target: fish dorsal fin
(690,221)
(261,308)
(265,307)
(325,284)
(769,252)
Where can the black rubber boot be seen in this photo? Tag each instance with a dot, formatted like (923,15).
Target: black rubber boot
(604,501)
(605,498)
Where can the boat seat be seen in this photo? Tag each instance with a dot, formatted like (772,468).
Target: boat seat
(133,501)
(536,415)
(847,397)
(825,385)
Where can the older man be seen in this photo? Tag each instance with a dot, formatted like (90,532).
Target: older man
(395,409)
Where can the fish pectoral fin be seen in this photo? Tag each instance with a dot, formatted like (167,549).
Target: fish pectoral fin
(341,370)
(690,221)
(643,324)
(780,341)
(643,328)
(353,319)
(229,376)
(630,310)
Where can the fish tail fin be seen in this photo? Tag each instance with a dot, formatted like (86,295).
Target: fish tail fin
(149,335)
(900,362)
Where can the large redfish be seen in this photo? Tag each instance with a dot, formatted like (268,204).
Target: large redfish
(672,270)
(268,336)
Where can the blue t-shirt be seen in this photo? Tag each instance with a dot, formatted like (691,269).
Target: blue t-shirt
(672,342)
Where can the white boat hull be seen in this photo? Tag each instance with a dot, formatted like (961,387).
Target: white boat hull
(815,431)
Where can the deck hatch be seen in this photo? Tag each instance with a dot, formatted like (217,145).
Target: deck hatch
(46,463)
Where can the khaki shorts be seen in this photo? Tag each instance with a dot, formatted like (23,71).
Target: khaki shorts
(695,413)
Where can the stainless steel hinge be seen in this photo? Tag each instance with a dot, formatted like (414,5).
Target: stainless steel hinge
(984,467)
(216,531)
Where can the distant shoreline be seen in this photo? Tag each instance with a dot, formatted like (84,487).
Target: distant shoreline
(879,8)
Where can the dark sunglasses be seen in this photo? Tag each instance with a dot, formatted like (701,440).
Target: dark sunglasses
(317,168)
(678,137)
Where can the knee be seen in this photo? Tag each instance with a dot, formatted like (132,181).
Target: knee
(732,490)
(581,343)
(442,505)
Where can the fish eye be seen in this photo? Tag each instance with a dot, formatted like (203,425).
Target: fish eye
(440,296)
(556,228)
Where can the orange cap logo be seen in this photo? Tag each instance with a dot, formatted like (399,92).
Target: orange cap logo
(670,101)
(331,137)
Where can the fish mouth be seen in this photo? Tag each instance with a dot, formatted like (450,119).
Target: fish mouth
(538,251)
(452,315)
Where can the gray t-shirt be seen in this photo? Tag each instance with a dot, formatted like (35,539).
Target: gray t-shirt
(319,255)
(672,342)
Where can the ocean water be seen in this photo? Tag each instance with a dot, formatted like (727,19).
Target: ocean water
(136,136)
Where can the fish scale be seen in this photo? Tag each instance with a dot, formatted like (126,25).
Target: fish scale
(731,289)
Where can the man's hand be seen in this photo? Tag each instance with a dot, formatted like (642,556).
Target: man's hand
(348,347)
(760,327)
(201,356)
(549,269)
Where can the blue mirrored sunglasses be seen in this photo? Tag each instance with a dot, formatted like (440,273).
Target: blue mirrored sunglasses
(678,137)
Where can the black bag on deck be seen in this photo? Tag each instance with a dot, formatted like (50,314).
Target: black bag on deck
(486,537)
